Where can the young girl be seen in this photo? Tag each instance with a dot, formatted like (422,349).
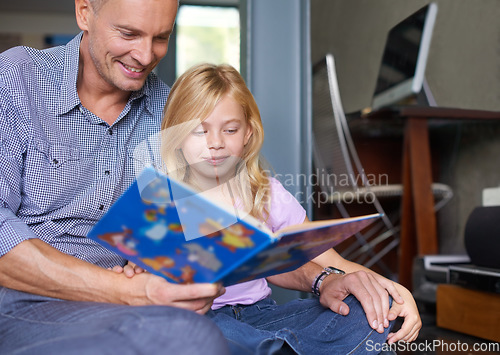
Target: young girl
(211,138)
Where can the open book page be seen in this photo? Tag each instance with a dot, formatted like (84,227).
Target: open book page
(311,225)
(173,231)
(170,230)
(193,206)
(296,245)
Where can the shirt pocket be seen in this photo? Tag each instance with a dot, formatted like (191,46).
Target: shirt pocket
(54,174)
(135,162)
(142,156)
(57,155)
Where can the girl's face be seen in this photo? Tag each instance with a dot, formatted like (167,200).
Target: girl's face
(213,149)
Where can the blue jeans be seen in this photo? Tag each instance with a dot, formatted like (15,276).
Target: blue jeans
(32,324)
(301,326)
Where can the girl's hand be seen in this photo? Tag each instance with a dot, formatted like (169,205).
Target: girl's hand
(129,270)
(404,307)
(409,311)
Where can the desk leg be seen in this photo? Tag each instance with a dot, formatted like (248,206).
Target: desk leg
(407,244)
(418,220)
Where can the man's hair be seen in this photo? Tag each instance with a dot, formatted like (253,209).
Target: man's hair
(97,4)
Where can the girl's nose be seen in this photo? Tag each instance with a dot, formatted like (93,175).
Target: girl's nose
(215,141)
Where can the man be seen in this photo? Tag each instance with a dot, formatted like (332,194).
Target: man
(70,118)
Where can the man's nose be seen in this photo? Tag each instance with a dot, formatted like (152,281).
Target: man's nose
(144,52)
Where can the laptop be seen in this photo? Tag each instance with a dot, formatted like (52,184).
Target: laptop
(402,70)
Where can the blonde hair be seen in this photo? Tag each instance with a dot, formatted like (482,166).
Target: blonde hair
(192,98)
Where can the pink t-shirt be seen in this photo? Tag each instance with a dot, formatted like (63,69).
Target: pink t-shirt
(285,211)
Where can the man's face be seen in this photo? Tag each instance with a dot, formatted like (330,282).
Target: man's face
(127,39)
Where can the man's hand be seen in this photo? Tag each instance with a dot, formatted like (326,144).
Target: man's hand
(195,297)
(370,289)
(130,269)
(34,266)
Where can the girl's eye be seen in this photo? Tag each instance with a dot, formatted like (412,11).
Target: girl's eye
(199,133)
(232,131)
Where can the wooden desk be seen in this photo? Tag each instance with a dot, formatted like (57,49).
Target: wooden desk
(418,234)
(468,311)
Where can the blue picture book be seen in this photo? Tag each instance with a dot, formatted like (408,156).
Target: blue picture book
(173,231)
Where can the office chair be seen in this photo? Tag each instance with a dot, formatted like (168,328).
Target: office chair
(341,176)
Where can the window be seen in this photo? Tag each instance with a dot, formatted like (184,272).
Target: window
(207,34)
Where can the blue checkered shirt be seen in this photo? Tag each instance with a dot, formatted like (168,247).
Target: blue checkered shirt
(61,166)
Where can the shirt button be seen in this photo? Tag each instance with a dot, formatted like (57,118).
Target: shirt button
(101,207)
(107,172)
(110,132)
(55,161)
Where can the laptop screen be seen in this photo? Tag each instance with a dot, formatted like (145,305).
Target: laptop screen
(402,70)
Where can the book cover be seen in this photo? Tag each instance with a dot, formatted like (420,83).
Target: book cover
(173,231)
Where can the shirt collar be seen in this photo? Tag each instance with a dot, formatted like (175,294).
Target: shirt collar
(146,91)
(69,98)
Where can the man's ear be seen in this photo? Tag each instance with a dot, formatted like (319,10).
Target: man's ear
(83,12)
